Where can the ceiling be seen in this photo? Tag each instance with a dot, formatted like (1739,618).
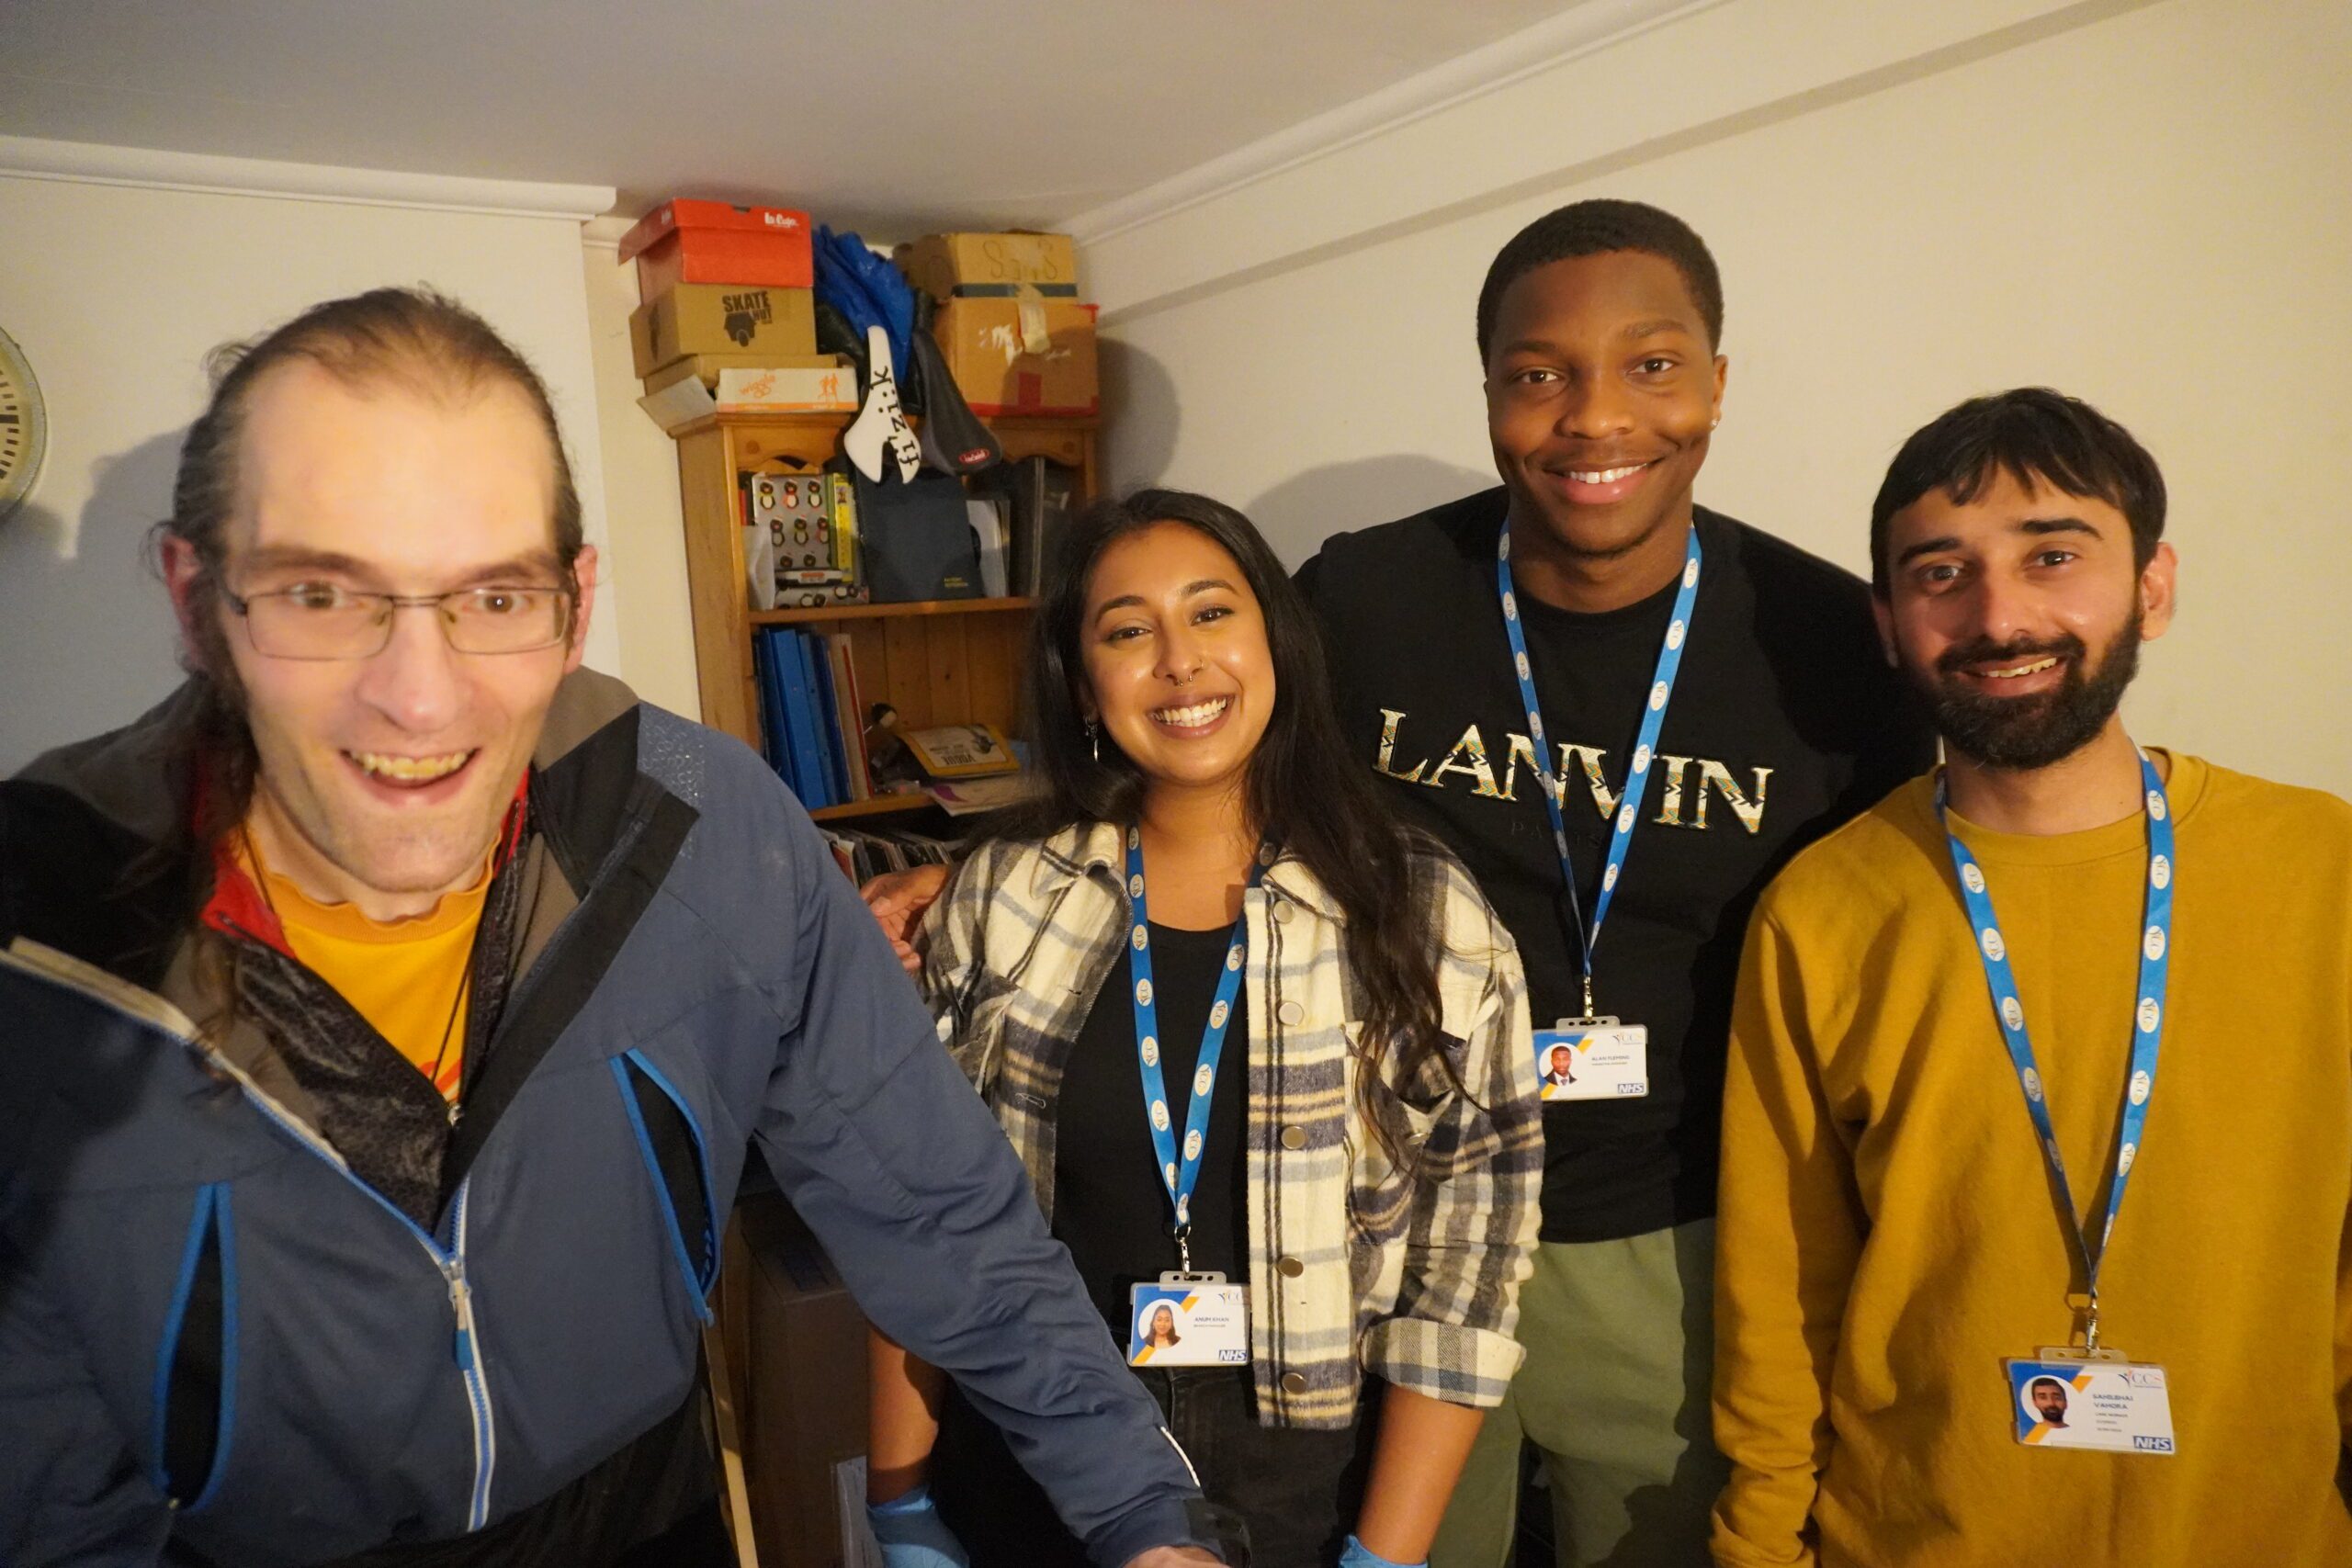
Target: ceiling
(892,115)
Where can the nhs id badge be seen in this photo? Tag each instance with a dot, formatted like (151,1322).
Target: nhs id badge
(2073,1399)
(1593,1058)
(1188,1320)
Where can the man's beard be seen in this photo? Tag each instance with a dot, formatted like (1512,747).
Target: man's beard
(2022,733)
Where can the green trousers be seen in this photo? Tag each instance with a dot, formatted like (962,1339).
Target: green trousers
(1613,1393)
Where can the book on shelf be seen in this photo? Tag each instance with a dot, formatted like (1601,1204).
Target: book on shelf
(801,719)
(968,798)
(818,667)
(866,853)
(963,751)
(775,735)
(1035,497)
(810,705)
(849,712)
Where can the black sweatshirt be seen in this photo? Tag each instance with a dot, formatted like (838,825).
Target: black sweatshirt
(1785,722)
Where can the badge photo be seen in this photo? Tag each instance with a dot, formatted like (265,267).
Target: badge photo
(1188,1324)
(1592,1059)
(2115,1406)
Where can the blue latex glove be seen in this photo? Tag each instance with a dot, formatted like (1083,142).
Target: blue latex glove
(1358,1555)
(908,1529)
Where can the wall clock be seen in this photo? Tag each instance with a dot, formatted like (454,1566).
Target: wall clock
(24,427)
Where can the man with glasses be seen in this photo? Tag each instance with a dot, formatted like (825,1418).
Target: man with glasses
(386,1020)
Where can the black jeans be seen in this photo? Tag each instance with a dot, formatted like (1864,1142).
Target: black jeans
(1297,1491)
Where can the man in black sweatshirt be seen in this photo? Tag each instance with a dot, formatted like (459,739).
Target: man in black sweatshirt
(1705,700)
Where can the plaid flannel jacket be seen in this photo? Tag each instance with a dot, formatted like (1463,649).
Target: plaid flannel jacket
(1355,1264)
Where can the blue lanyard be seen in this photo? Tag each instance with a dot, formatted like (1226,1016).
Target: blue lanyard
(2156,963)
(1179,1173)
(1629,805)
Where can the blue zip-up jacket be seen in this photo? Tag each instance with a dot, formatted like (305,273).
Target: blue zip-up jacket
(217,1339)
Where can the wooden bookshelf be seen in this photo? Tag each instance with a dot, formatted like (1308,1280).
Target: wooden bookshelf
(941,661)
(804,614)
(880,805)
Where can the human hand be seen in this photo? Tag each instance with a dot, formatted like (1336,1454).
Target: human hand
(900,899)
(911,1534)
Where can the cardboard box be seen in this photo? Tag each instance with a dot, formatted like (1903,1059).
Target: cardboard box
(717,318)
(677,397)
(706,368)
(710,242)
(1011,266)
(797,1343)
(1018,357)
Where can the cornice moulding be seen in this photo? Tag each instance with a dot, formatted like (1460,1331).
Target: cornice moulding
(1595,24)
(90,163)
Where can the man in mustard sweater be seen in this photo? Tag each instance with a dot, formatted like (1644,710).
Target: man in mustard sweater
(2043,1080)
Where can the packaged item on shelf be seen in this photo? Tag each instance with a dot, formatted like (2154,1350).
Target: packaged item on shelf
(799,513)
(803,526)
(1019,357)
(711,241)
(778,324)
(1007,265)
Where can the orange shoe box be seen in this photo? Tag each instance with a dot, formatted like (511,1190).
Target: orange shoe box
(710,242)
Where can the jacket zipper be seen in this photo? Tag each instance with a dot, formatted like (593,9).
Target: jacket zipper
(461,1301)
(451,1266)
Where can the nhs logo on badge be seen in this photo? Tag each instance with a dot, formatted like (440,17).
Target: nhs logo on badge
(2148,1445)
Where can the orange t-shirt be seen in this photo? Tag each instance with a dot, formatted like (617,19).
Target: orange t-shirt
(406,978)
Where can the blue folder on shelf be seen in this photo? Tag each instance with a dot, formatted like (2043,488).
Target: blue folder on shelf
(829,721)
(775,741)
(801,721)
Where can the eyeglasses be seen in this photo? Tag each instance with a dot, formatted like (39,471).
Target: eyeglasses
(322,621)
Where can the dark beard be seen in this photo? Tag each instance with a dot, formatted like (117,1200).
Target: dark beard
(2023,733)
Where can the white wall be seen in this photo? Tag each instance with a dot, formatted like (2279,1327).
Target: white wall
(2148,205)
(647,558)
(116,292)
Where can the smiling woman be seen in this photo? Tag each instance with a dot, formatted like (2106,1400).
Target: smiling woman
(1294,934)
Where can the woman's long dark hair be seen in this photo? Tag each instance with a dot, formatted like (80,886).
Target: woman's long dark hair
(1304,792)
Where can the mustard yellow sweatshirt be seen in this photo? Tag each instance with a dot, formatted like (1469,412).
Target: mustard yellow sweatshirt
(1888,1233)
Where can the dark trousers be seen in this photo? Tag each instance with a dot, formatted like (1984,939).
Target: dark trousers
(1296,1491)
(648,1506)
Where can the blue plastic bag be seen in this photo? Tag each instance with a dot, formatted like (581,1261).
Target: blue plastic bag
(867,291)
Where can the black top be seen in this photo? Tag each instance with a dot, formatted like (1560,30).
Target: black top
(1785,722)
(1110,1208)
